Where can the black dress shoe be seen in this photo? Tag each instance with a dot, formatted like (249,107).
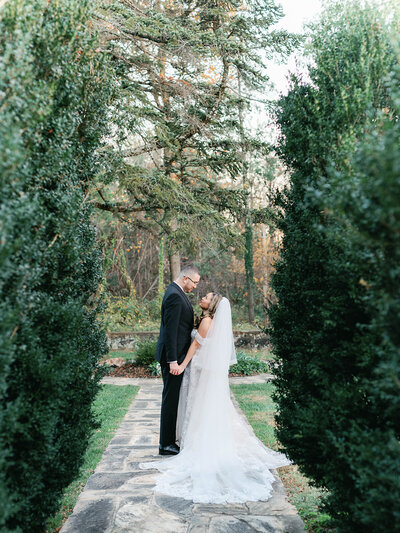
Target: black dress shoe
(172,449)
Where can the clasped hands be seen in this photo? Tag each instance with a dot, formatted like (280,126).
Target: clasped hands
(176,369)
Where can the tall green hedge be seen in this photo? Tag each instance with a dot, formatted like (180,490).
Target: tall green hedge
(338,280)
(54,93)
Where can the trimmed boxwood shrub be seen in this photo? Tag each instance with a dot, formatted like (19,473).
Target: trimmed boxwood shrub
(54,92)
(334,329)
(146,353)
(247,365)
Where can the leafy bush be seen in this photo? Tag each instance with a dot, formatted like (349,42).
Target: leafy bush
(247,365)
(127,313)
(155,368)
(53,114)
(122,311)
(371,446)
(337,282)
(146,353)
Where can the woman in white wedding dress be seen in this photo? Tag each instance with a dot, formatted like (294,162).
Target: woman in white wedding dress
(208,304)
(220,459)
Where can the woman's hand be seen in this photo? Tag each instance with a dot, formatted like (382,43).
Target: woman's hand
(181,368)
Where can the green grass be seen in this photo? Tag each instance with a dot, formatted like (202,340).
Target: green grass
(262,354)
(256,403)
(128,356)
(110,407)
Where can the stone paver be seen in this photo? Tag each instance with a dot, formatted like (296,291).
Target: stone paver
(119,497)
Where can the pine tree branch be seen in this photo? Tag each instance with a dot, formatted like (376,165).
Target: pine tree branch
(122,208)
(118,208)
(131,33)
(156,144)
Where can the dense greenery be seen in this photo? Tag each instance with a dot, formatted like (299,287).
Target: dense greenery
(338,279)
(139,314)
(146,353)
(247,365)
(54,92)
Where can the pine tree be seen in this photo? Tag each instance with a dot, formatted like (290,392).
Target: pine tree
(180,63)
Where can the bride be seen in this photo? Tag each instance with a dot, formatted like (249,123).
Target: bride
(220,459)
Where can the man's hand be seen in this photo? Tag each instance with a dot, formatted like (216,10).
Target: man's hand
(174,369)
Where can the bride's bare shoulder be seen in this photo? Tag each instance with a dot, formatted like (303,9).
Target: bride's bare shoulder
(204,325)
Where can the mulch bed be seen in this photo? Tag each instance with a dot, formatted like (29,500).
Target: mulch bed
(132,371)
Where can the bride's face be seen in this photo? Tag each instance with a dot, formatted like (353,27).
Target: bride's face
(206,300)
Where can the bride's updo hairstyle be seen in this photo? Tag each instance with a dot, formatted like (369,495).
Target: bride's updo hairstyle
(216,298)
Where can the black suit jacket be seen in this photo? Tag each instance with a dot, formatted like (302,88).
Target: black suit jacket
(176,326)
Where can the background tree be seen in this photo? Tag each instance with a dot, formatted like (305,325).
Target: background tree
(338,358)
(179,64)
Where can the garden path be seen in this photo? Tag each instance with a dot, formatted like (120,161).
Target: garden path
(119,497)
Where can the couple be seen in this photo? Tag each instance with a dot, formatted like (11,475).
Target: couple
(219,459)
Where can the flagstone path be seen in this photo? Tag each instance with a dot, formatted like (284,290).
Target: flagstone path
(119,497)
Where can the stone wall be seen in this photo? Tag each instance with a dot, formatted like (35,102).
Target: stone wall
(128,340)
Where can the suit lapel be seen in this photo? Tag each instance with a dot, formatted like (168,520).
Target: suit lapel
(188,302)
(183,295)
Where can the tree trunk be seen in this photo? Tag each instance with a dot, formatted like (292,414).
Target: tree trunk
(265,264)
(175,264)
(174,257)
(125,274)
(248,223)
(160,291)
(248,262)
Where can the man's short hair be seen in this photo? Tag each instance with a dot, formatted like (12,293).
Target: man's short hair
(189,271)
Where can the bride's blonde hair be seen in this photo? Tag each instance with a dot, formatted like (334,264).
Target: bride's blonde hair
(216,298)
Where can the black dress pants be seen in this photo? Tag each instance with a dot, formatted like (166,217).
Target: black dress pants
(169,405)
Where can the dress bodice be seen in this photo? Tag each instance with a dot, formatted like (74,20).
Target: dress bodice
(196,335)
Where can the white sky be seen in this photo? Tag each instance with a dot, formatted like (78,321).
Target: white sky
(297,14)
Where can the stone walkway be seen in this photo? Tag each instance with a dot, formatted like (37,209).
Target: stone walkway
(119,497)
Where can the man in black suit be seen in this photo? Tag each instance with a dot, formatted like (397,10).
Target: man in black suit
(173,344)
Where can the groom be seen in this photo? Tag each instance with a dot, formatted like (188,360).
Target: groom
(173,344)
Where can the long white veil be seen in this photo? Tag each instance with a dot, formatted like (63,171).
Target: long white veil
(220,460)
(218,348)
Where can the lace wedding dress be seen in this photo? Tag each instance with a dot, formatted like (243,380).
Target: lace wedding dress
(183,413)
(221,460)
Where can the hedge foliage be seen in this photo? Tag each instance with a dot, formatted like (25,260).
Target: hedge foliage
(248,365)
(54,93)
(146,352)
(335,330)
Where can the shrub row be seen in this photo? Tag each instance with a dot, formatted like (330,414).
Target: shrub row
(338,279)
(247,365)
(54,92)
